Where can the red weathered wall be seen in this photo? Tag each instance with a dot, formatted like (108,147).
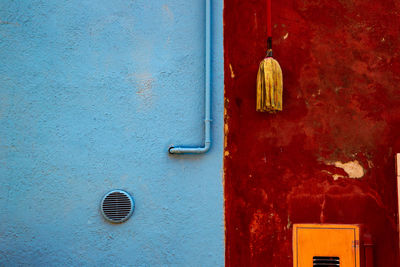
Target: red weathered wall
(341,69)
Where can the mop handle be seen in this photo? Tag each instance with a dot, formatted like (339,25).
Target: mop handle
(269,25)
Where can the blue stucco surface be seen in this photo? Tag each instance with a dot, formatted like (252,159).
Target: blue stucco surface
(92,94)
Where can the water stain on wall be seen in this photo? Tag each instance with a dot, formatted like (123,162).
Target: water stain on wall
(144,84)
(328,156)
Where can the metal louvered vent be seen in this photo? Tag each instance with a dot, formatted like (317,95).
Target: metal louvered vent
(117,206)
(326,261)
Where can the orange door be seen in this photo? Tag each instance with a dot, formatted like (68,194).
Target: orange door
(326,245)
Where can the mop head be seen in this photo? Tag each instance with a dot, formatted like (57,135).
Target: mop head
(269,86)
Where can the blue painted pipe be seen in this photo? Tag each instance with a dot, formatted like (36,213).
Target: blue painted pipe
(207,119)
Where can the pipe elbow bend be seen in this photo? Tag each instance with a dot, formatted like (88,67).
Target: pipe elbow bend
(190,150)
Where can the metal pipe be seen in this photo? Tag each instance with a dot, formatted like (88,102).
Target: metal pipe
(398,192)
(207,104)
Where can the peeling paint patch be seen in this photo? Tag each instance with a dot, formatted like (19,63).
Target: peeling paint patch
(370,164)
(2,22)
(352,168)
(286,36)
(289,223)
(337,176)
(144,83)
(226,130)
(168,12)
(232,73)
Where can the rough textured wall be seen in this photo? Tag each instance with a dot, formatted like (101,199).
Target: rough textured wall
(92,93)
(329,156)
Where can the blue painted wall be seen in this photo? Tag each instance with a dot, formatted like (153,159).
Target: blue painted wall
(92,93)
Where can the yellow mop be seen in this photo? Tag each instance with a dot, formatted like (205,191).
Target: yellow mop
(269,77)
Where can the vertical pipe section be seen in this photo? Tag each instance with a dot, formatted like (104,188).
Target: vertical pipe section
(398,193)
(207,104)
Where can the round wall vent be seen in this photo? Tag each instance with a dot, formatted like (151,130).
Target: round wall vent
(117,206)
